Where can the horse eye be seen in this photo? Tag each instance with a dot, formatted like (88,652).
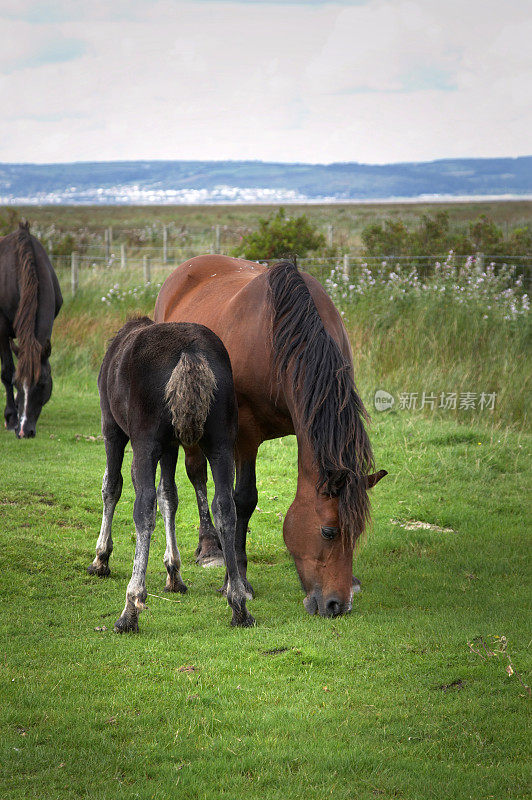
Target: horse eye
(329,533)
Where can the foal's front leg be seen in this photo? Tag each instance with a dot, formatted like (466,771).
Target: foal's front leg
(115,443)
(167,500)
(144,513)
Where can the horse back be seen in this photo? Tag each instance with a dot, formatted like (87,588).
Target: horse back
(47,277)
(138,365)
(9,293)
(50,297)
(231,297)
(209,281)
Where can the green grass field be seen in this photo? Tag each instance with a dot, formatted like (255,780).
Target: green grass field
(421,692)
(407,697)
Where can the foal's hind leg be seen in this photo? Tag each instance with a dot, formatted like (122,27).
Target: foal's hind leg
(115,443)
(208,552)
(8,371)
(167,500)
(223,508)
(245,496)
(145,458)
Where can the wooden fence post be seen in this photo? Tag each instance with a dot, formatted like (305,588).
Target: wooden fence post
(330,235)
(123,261)
(146,267)
(217,239)
(74,279)
(165,244)
(346,265)
(106,244)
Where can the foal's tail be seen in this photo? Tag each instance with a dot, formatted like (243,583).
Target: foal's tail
(189,394)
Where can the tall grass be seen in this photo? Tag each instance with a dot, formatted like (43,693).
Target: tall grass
(463,329)
(94,314)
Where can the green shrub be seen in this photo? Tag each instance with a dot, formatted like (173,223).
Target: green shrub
(390,239)
(279,237)
(9,219)
(435,237)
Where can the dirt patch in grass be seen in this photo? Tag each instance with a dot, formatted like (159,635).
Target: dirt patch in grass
(418,525)
(457,685)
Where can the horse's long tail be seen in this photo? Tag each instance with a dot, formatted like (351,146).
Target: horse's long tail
(29,360)
(189,394)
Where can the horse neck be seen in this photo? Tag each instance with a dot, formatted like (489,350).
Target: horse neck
(307,468)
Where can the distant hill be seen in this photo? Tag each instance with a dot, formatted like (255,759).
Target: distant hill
(256,181)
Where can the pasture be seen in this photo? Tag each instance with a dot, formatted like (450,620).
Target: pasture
(408,696)
(421,692)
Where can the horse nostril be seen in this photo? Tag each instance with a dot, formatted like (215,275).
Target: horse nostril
(333,608)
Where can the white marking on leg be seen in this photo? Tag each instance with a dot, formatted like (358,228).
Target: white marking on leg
(203,502)
(104,545)
(172,557)
(24,419)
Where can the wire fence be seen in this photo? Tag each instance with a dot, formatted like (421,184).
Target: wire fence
(80,271)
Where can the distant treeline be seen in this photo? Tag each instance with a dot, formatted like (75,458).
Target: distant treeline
(322,232)
(435,236)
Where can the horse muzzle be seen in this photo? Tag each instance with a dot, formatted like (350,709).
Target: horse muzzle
(331,606)
(28,432)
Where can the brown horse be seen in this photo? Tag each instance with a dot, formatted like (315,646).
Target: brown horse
(293,373)
(30,299)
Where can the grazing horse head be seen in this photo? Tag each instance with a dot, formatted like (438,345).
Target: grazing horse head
(331,507)
(34,388)
(320,531)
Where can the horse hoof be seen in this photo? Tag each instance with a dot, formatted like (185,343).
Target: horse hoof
(125,625)
(212,559)
(243,622)
(357,586)
(101,570)
(174,586)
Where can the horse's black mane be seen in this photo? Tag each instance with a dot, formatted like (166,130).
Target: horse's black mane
(29,362)
(329,408)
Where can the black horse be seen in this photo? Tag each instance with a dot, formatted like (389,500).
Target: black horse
(161,386)
(30,299)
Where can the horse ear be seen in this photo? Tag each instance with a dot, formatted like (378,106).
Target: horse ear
(47,349)
(14,347)
(336,482)
(374,478)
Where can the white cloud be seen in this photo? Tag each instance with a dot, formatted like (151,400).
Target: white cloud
(381,81)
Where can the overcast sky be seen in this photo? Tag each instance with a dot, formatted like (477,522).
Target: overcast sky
(374,81)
